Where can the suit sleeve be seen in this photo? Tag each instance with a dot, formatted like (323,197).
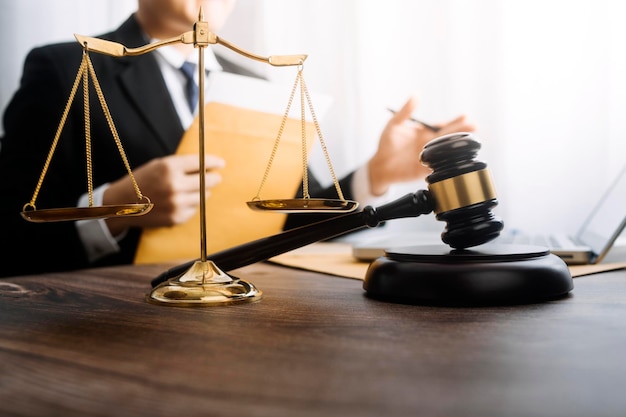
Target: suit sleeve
(30,122)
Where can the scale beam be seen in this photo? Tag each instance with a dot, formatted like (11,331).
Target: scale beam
(116,49)
(204,283)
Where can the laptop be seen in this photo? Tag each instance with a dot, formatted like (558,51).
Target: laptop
(589,245)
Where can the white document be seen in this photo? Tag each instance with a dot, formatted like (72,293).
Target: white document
(262,95)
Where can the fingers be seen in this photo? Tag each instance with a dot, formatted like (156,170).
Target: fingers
(189,181)
(183,171)
(190,163)
(406,111)
(460,124)
(172,183)
(162,178)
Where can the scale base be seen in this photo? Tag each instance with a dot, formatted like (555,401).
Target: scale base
(203,284)
(485,275)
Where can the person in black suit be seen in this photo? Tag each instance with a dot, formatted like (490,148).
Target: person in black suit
(145,96)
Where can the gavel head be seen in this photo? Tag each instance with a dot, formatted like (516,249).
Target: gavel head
(462,190)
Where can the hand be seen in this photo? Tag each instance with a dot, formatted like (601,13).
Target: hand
(400,145)
(173,185)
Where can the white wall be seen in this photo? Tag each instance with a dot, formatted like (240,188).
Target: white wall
(28,23)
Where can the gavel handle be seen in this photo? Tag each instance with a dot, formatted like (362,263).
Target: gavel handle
(411,205)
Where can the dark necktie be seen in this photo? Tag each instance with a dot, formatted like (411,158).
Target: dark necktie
(191,89)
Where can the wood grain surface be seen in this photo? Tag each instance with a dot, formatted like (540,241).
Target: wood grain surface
(86,343)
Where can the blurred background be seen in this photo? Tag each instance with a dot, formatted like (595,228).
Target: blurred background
(544,80)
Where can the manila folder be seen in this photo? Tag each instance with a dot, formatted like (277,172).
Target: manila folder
(245,139)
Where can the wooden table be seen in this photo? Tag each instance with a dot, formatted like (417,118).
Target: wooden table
(87,344)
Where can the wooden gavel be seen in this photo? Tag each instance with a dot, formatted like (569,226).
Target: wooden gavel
(460,192)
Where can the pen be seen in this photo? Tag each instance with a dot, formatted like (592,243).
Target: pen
(426,125)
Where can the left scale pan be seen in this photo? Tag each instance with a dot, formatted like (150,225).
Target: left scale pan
(143,204)
(84,213)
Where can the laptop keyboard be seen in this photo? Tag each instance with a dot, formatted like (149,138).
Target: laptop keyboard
(549,241)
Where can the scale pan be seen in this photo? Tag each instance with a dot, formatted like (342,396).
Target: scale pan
(86,213)
(299,205)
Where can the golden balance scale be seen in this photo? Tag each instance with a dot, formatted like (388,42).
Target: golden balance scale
(203,284)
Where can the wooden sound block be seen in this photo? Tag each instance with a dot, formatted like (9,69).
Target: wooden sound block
(484,275)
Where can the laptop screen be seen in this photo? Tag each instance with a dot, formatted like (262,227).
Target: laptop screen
(608,218)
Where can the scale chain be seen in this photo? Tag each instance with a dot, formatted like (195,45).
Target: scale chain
(84,71)
(277,141)
(322,143)
(118,142)
(304,93)
(57,135)
(87,129)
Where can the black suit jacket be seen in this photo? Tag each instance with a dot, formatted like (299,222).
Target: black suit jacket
(144,117)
